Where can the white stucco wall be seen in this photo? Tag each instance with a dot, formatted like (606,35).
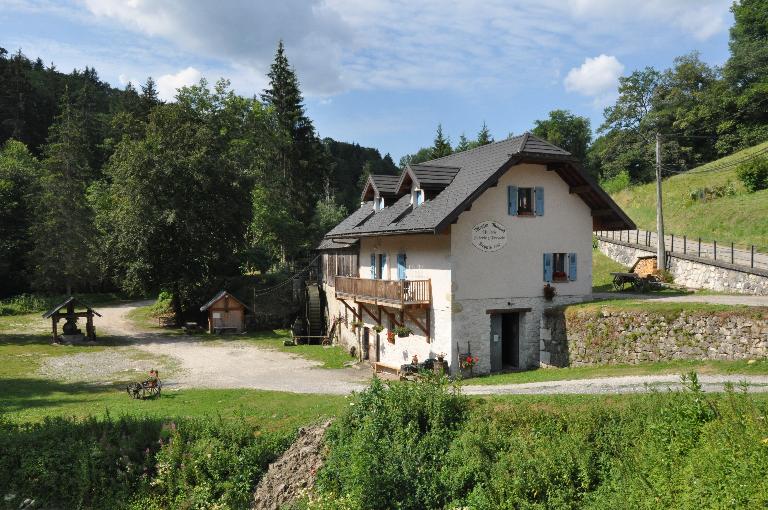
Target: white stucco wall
(427,257)
(512,277)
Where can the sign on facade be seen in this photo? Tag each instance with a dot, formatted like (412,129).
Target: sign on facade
(489,236)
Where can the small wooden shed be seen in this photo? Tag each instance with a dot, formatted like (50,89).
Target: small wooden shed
(225,313)
(70,331)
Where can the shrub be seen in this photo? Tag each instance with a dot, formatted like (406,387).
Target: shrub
(754,174)
(706,193)
(677,449)
(134,463)
(388,447)
(616,183)
(26,303)
(163,305)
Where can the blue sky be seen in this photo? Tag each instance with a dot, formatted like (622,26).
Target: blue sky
(382,73)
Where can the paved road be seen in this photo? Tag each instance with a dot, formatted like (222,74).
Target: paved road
(717,299)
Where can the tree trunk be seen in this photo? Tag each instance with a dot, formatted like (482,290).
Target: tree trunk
(178,313)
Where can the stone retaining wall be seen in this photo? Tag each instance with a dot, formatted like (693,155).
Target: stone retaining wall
(592,336)
(692,271)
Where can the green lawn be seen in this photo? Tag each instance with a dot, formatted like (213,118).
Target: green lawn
(602,267)
(759,367)
(741,218)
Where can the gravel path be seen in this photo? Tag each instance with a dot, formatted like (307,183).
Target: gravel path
(625,384)
(231,363)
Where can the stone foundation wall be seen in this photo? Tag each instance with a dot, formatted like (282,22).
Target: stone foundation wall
(694,272)
(593,336)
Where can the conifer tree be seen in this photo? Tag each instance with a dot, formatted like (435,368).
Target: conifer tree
(463,145)
(442,145)
(63,230)
(484,136)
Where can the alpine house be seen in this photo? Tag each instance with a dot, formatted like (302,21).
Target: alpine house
(460,255)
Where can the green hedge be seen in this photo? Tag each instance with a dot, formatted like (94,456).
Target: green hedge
(134,463)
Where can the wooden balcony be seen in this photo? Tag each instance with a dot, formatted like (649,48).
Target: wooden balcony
(392,293)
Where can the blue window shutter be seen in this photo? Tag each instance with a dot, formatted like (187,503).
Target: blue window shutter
(547,267)
(373,266)
(512,200)
(539,191)
(572,266)
(383,267)
(401,266)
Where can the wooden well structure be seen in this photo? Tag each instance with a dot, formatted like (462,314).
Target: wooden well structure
(68,311)
(226,313)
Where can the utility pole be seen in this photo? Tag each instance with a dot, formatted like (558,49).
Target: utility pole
(661,254)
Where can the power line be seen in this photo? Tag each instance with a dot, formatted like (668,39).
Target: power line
(289,280)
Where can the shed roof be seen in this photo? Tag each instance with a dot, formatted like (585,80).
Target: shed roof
(70,299)
(221,294)
(466,176)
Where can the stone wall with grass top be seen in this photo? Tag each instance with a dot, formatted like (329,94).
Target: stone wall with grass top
(596,335)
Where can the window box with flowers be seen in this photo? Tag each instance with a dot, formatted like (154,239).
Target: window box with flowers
(403,331)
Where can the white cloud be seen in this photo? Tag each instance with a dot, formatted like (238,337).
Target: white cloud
(700,18)
(595,77)
(341,45)
(168,84)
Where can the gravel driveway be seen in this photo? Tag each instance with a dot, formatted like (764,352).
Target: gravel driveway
(231,363)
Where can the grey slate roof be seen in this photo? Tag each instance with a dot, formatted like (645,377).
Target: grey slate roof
(384,184)
(464,177)
(336,243)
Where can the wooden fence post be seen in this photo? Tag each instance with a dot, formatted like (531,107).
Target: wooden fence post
(714,244)
(731,252)
(699,246)
(685,244)
(752,257)
(672,248)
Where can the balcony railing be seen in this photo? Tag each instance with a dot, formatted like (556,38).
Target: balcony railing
(395,293)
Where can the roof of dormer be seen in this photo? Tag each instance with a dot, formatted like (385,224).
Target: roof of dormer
(461,178)
(382,184)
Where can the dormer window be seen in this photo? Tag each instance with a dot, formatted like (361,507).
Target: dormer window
(378,203)
(417,197)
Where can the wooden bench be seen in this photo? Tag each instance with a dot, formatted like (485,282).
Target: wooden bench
(386,368)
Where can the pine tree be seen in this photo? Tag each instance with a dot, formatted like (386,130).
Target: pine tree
(463,145)
(284,96)
(63,230)
(149,97)
(442,145)
(484,136)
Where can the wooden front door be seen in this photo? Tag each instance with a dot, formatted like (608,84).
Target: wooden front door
(510,340)
(366,343)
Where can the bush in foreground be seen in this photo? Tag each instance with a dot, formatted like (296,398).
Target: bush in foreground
(134,463)
(412,446)
(754,174)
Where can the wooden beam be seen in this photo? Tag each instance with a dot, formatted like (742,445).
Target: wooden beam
(356,315)
(602,212)
(394,319)
(507,310)
(579,190)
(424,327)
(369,312)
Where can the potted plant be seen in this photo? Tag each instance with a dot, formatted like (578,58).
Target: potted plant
(391,336)
(466,362)
(440,366)
(402,331)
(378,328)
(549,292)
(357,324)
(441,356)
